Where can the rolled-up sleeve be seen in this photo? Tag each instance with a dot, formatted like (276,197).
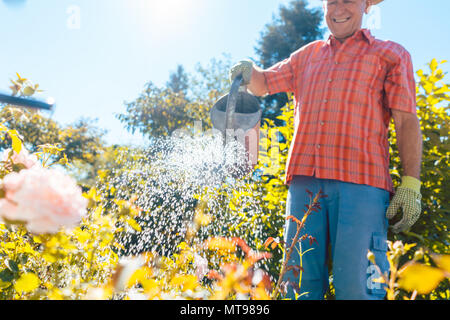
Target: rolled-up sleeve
(399,85)
(280,77)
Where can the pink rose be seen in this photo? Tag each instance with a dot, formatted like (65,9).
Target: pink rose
(23,157)
(44,199)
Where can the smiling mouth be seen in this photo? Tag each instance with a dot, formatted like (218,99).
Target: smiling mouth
(341,20)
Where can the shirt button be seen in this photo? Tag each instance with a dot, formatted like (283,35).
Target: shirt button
(322,123)
(318,146)
(325,101)
(330,80)
(336,62)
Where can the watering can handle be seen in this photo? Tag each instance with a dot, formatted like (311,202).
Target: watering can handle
(231,102)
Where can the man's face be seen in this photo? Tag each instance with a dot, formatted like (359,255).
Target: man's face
(344,17)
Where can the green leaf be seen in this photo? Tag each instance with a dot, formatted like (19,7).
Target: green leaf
(6,275)
(4,285)
(12,265)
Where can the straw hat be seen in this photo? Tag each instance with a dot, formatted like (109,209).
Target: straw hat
(374,2)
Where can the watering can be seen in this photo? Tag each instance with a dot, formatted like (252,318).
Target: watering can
(237,115)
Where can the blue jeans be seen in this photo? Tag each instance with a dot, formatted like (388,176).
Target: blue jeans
(351,222)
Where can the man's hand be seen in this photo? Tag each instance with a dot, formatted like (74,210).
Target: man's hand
(244,68)
(407,197)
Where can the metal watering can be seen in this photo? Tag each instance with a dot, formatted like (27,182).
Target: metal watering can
(237,115)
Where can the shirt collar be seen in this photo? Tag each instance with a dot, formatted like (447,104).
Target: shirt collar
(360,34)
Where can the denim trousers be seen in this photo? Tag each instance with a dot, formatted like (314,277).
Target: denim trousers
(351,222)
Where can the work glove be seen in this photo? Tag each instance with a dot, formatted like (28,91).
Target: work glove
(244,68)
(407,197)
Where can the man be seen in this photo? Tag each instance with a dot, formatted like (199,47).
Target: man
(346,89)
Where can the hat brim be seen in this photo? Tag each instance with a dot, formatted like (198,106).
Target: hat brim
(374,2)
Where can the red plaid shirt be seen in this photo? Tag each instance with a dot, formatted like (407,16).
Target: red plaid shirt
(343,95)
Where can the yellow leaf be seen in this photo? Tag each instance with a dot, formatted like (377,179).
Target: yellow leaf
(20,79)
(187,282)
(16,142)
(82,235)
(150,286)
(443,262)
(27,283)
(132,223)
(219,243)
(118,245)
(202,219)
(420,277)
(28,91)
(49,257)
(141,276)
(55,294)
(433,65)
(9,245)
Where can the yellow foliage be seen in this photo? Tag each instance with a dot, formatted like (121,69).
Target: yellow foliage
(27,283)
(185,282)
(218,243)
(443,262)
(420,277)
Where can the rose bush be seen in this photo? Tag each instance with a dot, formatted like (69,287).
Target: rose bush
(43,199)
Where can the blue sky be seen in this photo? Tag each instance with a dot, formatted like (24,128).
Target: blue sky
(93,55)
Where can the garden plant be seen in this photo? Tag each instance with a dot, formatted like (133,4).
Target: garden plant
(67,235)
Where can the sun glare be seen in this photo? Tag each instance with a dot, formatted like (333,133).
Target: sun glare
(170,12)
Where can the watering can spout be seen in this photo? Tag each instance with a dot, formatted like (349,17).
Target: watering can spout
(237,115)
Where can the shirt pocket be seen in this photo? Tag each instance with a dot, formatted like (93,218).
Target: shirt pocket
(366,93)
(367,71)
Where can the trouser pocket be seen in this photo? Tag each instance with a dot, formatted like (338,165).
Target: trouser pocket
(378,248)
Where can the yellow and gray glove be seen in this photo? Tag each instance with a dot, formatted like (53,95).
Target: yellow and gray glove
(244,68)
(407,197)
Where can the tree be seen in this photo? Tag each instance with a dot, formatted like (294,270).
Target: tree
(184,99)
(178,81)
(80,141)
(295,27)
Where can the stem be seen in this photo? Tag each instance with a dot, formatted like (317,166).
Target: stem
(300,226)
(286,260)
(392,279)
(301,266)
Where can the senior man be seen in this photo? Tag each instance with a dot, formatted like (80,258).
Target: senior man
(346,90)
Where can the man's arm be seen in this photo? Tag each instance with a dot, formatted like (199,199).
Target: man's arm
(278,78)
(258,85)
(409,142)
(407,196)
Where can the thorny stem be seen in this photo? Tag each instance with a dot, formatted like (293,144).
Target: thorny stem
(300,226)
(288,255)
